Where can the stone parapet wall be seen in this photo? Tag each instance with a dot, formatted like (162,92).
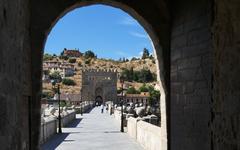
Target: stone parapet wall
(49,127)
(68,118)
(148,135)
(132,127)
(117,115)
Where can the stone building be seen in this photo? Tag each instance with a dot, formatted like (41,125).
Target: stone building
(99,85)
(65,69)
(71,53)
(134,98)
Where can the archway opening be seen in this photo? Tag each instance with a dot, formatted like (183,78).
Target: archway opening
(157,49)
(98,100)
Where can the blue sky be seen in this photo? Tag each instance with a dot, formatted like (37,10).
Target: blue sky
(109,32)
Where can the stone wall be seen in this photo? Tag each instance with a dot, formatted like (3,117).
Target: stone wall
(226,97)
(68,118)
(149,136)
(146,134)
(132,127)
(15,75)
(191,75)
(48,129)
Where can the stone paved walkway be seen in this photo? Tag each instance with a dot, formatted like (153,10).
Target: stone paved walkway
(92,131)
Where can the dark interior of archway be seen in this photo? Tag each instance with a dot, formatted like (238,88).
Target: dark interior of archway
(98,101)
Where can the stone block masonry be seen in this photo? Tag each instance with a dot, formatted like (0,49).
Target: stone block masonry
(191,72)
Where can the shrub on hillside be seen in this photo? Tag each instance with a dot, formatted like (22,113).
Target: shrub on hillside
(144,75)
(64,57)
(89,54)
(87,61)
(47,94)
(132,90)
(143,88)
(67,81)
(55,76)
(72,60)
(47,57)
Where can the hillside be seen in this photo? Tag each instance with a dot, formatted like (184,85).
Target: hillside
(95,63)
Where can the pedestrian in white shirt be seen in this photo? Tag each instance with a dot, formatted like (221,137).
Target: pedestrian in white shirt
(102,108)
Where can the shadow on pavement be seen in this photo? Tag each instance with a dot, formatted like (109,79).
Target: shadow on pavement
(89,110)
(54,141)
(57,139)
(112,132)
(74,123)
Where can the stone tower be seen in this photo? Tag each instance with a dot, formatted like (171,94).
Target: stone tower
(99,85)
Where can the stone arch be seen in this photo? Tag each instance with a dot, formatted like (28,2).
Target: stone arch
(44,15)
(99,100)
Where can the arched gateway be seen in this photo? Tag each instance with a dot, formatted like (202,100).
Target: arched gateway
(99,85)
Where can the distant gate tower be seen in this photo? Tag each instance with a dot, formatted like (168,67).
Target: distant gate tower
(99,85)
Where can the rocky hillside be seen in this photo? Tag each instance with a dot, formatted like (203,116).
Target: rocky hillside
(95,63)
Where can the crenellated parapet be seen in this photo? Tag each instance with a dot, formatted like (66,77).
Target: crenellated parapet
(100,70)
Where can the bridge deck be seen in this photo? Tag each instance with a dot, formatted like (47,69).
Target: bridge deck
(92,131)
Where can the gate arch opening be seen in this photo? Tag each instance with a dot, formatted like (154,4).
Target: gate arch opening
(41,26)
(99,100)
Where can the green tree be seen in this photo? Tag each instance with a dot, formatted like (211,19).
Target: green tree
(72,60)
(154,95)
(47,94)
(145,75)
(134,58)
(119,91)
(132,90)
(87,61)
(135,76)
(145,53)
(55,76)
(47,57)
(126,74)
(67,81)
(64,57)
(143,88)
(89,54)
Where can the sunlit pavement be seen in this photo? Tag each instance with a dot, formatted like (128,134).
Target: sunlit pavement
(92,131)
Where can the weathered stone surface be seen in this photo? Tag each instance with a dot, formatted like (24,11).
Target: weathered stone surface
(190,115)
(226,97)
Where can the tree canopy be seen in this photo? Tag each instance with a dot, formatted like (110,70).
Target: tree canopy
(143,76)
(67,81)
(132,90)
(145,53)
(47,57)
(89,54)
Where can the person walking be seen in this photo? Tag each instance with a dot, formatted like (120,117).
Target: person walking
(102,108)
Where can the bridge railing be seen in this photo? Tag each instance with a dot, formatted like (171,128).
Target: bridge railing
(146,134)
(49,126)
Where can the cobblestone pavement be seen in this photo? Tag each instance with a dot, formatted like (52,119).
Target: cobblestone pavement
(92,131)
